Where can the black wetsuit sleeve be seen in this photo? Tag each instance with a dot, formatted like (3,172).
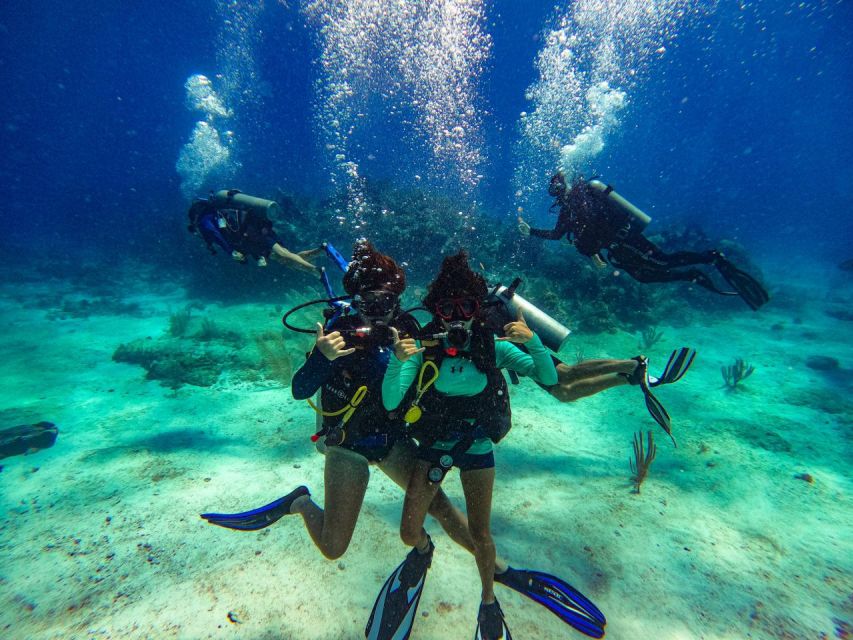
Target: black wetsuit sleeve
(562,228)
(311,375)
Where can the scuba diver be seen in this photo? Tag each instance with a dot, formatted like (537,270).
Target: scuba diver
(240,226)
(602,225)
(588,377)
(458,408)
(347,366)
(593,376)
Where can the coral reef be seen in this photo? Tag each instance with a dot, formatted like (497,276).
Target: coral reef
(643,459)
(276,361)
(179,322)
(736,373)
(210,354)
(171,363)
(649,337)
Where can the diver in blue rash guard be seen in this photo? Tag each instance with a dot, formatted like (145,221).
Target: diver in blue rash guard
(242,232)
(461,406)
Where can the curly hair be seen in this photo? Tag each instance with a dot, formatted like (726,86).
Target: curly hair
(371,270)
(455,279)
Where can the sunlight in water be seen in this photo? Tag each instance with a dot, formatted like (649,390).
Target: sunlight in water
(587,67)
(207,155)
(415,63)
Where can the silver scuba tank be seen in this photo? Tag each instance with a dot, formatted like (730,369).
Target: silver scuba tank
(233,199)
(639,216)
(552,333)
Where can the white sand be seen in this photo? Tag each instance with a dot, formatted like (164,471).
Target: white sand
(100,537)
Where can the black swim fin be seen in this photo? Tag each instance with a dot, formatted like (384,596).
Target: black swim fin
(397,603)
(678,364)
(640,377)
(491,624)
(657,411)
(257,518)
(559,597)
(747,287)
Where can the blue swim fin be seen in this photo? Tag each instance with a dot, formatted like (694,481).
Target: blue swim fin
(257,518)
(640,377)
(394,611)
(558,596)
(657,411)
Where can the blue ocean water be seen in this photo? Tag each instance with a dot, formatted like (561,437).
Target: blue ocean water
(725,121)
(741,121)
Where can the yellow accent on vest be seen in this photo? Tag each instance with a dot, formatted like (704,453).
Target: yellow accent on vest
(348,410)
(414,412)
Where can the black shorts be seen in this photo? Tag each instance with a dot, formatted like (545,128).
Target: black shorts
(464,461)
(374,447)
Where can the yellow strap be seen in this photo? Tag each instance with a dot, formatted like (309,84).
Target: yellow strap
(421,386)
(356,399)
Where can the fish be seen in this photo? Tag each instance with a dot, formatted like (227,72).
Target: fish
(27,438)
(847,265)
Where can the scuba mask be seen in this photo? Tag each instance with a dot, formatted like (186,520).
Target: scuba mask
(457,313)
(558,186)
(377,309)
(457,308)
(376,304)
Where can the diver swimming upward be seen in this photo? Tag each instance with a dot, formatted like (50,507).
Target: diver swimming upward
(347,365)
(602,225)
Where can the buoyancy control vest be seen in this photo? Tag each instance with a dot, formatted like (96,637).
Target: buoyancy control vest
(445,416)
(363,368)
(601,217)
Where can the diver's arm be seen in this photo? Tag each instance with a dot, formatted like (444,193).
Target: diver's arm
(561,229)
(536,363)
(311,375)
(293,259)
(398,378)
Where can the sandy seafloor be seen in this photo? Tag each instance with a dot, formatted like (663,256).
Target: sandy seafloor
(100,537)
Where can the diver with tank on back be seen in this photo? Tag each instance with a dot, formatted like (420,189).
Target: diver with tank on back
(240,225)
(604,226)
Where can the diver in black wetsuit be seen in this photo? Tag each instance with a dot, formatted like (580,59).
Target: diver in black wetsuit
(609,228)
(242,232)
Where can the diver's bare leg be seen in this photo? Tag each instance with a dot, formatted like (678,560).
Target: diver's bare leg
(399,465)
(419,495)
(478,485)
(590,368)
(346,477)
(586,388)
